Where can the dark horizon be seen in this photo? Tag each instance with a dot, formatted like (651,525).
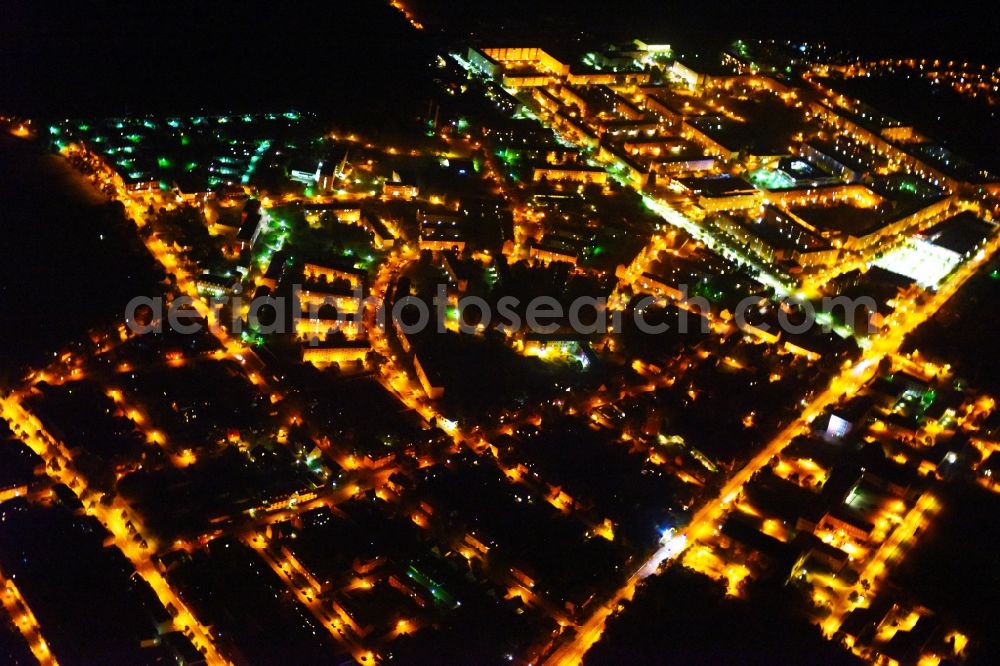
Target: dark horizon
(114,58)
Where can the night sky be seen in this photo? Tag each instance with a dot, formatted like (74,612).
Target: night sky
(94,58)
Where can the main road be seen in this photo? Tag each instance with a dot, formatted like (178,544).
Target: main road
(905,319)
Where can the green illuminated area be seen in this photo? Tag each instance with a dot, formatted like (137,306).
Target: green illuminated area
(705,288)
(195,153)
(262,149)
(272,240)
(252,337)
(440,595)
(914,403)
(771,179)
(741,48)
(509,157)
